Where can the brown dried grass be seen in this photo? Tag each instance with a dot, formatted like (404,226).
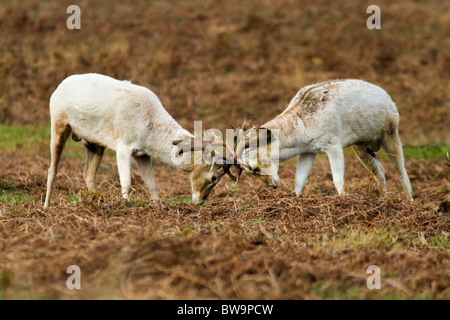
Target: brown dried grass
(216,60)
(247,243)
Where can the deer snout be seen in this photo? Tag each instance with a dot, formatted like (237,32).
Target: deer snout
(275,182)
(196,199)
(271,181)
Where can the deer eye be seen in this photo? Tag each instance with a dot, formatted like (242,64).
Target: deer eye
(213,179)
(255,170)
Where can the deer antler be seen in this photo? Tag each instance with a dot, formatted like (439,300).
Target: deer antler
(228,162)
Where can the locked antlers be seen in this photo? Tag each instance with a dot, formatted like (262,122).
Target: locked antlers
(226,160)
(243,137)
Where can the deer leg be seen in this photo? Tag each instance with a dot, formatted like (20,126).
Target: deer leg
(393,147)
(336,157)
(94,155)
(371,162)
(123,154)
(60,133)
(144,164)
(304,164)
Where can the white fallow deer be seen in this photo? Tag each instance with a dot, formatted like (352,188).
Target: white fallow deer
(324,118)
(104,112)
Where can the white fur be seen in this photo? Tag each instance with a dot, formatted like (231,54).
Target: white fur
(117,115)
(325,118)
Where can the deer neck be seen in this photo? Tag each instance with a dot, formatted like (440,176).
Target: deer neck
(160,143)
(291,135)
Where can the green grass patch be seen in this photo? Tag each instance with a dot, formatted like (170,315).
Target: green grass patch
(360,239)
(426,152)
(13,138)
(213,227)
(445,190)
(73,198)
(13,194)
(352,293)
(23,137)
(440,241)
(420,152)
(259,220)
(15,198)
(178,200)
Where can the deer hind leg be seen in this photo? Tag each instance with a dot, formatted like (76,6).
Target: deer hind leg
(336,157)
(144,164)
(94,155)
(370,160)
(60,131)
(393,147)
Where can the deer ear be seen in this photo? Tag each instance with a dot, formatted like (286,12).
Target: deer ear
(249,123)
(176,142)
(180,147)
(184,145)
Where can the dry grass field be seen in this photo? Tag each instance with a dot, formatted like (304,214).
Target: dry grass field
(219,61)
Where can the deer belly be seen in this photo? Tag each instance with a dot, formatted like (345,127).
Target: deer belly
(102,136)
(362,133)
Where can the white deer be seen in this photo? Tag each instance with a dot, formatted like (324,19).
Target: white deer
(324,118)
(104,112)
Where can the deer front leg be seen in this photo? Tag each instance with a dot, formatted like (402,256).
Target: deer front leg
(336,157)
(304,164)
(124,166)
